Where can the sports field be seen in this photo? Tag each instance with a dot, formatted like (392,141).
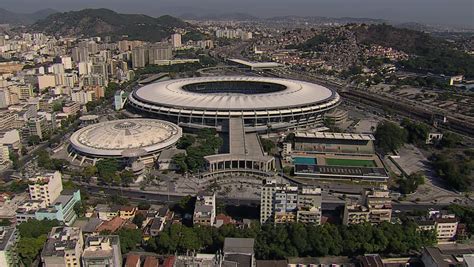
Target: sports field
(350,162)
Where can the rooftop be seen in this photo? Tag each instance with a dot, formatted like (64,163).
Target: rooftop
(232,93)
(116,138)
(328,135)
(239,245)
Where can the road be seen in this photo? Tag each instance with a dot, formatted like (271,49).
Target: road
(160,198)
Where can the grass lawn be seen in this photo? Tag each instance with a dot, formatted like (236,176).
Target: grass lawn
(350,162)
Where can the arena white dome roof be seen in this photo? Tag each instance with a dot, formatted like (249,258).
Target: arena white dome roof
(234,93)
(125,138)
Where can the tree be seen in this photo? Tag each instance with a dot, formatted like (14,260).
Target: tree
(57,106)
(15,158)
(185,141)
(129,238)
(267,145)
(33,140)
(450,140)
(33,235)
(410,184)
(127,177)
(180,161)
(143,205)
(138,220)
(80,209)
(5,222)
(389,136)
(417,133)
(89,172)
(29,248)
(107,170)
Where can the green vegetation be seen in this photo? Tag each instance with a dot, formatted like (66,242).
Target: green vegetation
(410,184)
(129,239)
(432,54)
(45,161)
(194,36)
(15,158)
(105,22)
(16,186)
(138,220)
(350,162)
(268,145)
(465,214)
(33,140)
(5,222)
(417,133)
(33,234)
(455,169)
(450,140)
(298,240)
(389,136)
(206,143)
(185,141)
(107,170)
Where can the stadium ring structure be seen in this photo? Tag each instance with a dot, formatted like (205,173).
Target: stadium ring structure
(263,103)
(140,140)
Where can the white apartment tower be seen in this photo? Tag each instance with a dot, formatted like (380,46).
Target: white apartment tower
(46,187)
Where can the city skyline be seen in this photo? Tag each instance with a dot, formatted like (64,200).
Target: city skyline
(458,12)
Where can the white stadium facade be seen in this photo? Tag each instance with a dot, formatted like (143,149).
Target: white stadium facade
(262,103)
(135,139)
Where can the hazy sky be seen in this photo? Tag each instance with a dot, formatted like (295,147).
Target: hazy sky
(450,12)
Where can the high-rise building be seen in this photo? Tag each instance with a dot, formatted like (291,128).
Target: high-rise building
(102,250)
(282,203)
(139,57)
(205,210)
(46,81)
(63,247)
(4,98)
(67,62)
(176,40)
(85,68)
(46,187)
(80,54)
(159,52)
(38,126)
(8,246)
(82,97)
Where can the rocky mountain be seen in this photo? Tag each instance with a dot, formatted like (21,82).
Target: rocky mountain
(105,22)
(8,17)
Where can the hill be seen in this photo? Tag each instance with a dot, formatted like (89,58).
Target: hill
(427,53)
(105,22)
(8,17)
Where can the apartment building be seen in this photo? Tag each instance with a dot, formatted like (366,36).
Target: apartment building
(102,250)
(282,203)
(205,210)
(375,207)
(63,247)
(46,187)
(8,246)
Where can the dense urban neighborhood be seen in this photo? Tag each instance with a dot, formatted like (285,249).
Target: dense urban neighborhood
(131,140)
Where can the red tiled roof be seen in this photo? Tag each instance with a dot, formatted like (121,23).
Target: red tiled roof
(113,225)
(132,260)
(127,208)
(225,219)
(151,261)
(169,262)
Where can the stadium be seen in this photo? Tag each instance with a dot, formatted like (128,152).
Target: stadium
(136,139)
(262,103)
